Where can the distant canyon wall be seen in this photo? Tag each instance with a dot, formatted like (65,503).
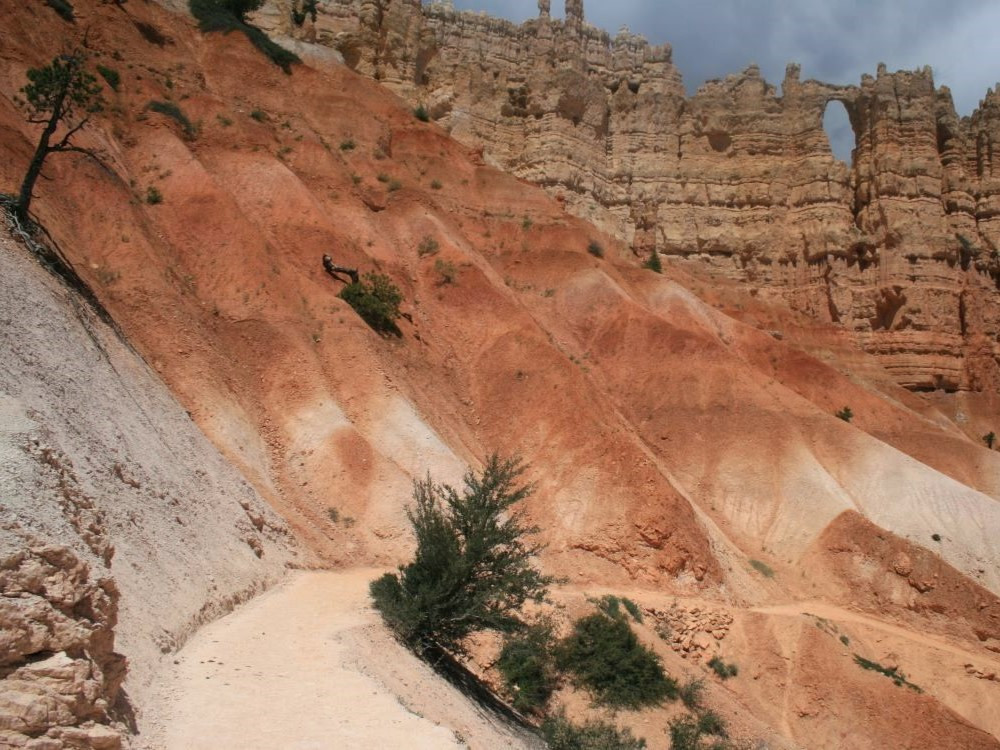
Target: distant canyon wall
(901,247)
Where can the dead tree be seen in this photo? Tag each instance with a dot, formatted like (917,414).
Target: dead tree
(335,271)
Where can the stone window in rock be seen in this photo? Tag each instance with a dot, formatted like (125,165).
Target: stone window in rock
(839,131)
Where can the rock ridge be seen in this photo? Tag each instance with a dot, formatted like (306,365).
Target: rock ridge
(901,247)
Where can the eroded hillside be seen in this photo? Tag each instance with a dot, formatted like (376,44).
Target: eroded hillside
(680,427)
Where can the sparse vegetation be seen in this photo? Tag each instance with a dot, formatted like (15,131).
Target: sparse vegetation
(446,271)
(153,196)
(612,605)
(309,9)
(893,673)
(691,732)
(171,110)
(606,657)
(376,299)
(421,113)
(653,262)
(224,121)
(723,670)
(473,567)
(382,177)
(763,568)
(428,246)
(259,115)
(436,185)
(230,15)
(936,537)
(846,414)
(595,249)
(63,7)
(528,668)
(111,76)
(394,185)
(691,693)
(845,640)
(561,734)
(527,223)
(989,438)
(348,144)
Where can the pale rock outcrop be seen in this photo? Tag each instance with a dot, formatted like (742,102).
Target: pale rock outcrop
(59,673)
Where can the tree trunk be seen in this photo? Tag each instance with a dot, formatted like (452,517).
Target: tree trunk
(35,168)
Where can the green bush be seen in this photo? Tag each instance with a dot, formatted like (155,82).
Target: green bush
(846,414)
(153,196)
(63,7)
(174,112)
(893,673)
(723,670)
(428,246)
(687,732)
(446,270)
(595,249)
(376,299)
(691,693)
(989,438)
(560,734)
(606,657)
(763,568)
(422,114)
(472,569)
(348,145)
(528,668)
(259,115)
(110,75)
(653,262)
(229,15)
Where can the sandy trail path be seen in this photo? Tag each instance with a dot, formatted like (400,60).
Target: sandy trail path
(836,614)
(307,666)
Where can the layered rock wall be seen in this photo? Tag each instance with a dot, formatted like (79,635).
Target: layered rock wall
(899,247)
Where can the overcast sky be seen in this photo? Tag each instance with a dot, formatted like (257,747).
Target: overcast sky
(834,40)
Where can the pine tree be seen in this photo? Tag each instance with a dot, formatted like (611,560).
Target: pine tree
(62,94)
(472,569)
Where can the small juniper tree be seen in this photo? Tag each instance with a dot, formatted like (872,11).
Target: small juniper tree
(989,438)
(473,568)
(846,414)
(653,262)
(62,94)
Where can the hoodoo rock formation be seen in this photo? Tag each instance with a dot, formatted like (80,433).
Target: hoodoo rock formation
(902,247)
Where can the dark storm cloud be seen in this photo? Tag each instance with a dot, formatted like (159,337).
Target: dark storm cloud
(834,40)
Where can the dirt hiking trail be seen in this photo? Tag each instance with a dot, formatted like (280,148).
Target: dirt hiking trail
(309,666)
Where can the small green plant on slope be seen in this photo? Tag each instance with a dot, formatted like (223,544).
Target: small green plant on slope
(528,668)
(989,438)
(111,76)
(428,246)
(653,262)
(561,734)
(595,249)
(692,732)
(605,656)
(230,15)
(63,7)
(61,94)
(422,114)
(171,110)
(893,673)
(846,414)
(610,605)
(723,670)
(376,299)
(691,693)
(153,195)
(473,568)
(763,568)
(446,271)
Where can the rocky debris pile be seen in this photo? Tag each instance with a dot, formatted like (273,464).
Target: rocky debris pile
(982,674)
(694,631)
(59,670)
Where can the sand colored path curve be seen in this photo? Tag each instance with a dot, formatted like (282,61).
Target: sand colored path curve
(308,666)
(836,614)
